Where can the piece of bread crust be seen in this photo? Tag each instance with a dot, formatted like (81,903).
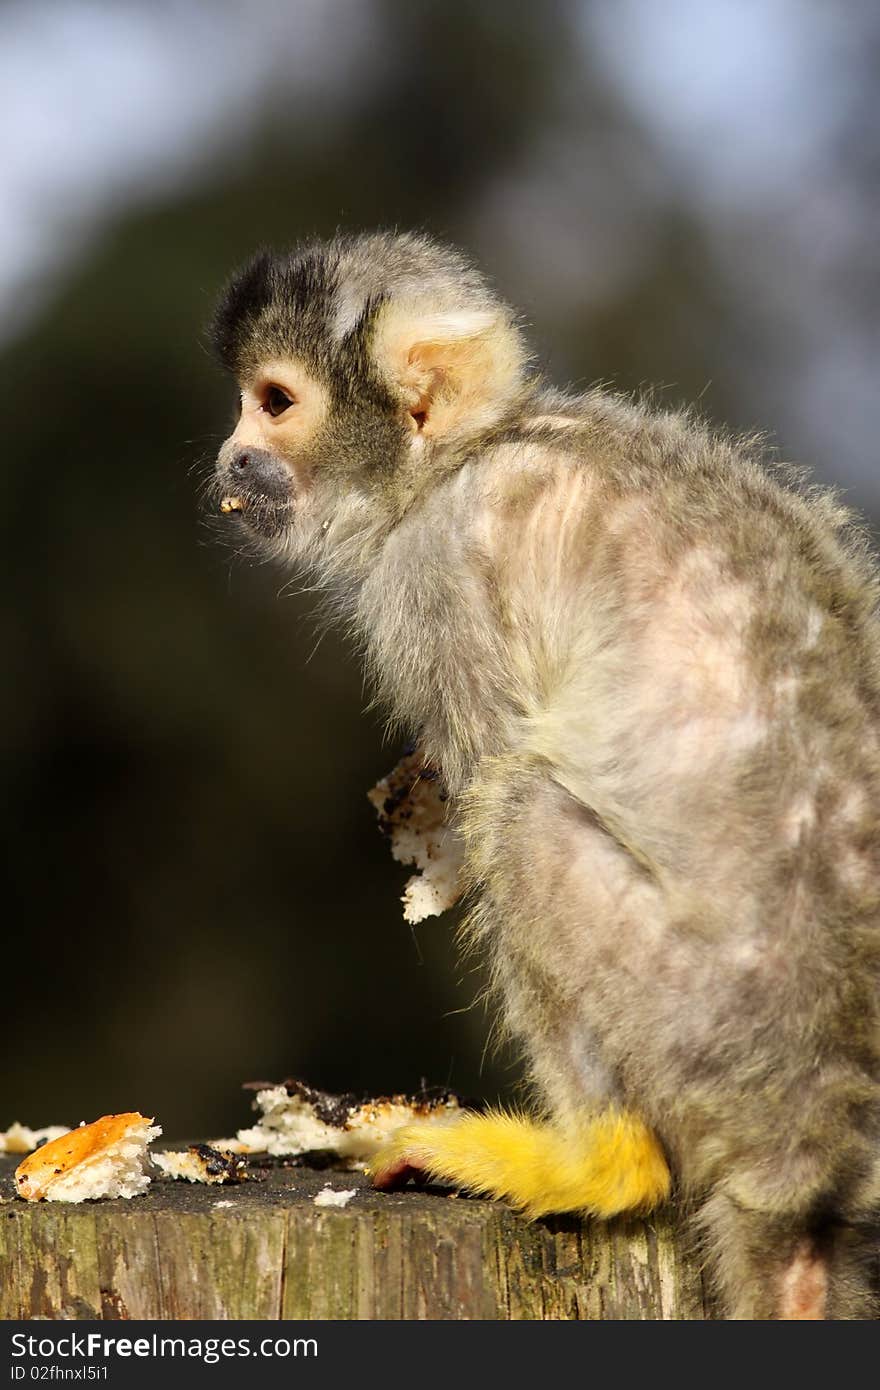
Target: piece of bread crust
(201,1163)
(102,1159)
(297,1119)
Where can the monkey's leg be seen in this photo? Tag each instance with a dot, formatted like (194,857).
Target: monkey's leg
(601,1164)
(790,1268)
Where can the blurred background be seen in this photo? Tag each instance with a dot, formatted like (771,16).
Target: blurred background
(683,195)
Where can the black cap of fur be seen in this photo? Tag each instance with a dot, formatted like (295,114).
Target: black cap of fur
(277,304)
(246,295)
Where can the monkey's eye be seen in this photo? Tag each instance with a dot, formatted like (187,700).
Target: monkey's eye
(277,401)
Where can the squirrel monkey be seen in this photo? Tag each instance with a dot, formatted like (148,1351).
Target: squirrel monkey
(648,666)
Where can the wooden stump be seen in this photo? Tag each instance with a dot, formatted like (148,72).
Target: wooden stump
(265,1250)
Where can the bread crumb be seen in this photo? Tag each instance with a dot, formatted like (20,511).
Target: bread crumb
(412,806)
(334,1197)
(20,1139)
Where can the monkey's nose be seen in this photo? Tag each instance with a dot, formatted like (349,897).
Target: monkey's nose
(259,473)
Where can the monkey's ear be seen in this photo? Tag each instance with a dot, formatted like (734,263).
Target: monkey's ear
(454,372)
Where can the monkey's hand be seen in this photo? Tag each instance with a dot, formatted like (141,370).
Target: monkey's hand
(604,1164)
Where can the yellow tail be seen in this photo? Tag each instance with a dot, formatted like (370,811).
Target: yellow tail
(604,1164)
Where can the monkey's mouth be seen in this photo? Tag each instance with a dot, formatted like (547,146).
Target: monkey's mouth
(266,515)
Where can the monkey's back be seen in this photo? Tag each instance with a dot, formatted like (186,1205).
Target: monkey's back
(676,828)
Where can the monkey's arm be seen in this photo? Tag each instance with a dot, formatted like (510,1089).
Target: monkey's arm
(603,1164)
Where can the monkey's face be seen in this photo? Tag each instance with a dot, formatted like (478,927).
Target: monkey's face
(363,365)
(266,469)
(311,458)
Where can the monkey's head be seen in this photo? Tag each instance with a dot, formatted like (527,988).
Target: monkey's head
(368,366)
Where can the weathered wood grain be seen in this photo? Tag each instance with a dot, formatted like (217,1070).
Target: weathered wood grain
(176,1253)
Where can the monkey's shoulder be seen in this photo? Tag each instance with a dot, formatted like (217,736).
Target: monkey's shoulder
(671,480)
